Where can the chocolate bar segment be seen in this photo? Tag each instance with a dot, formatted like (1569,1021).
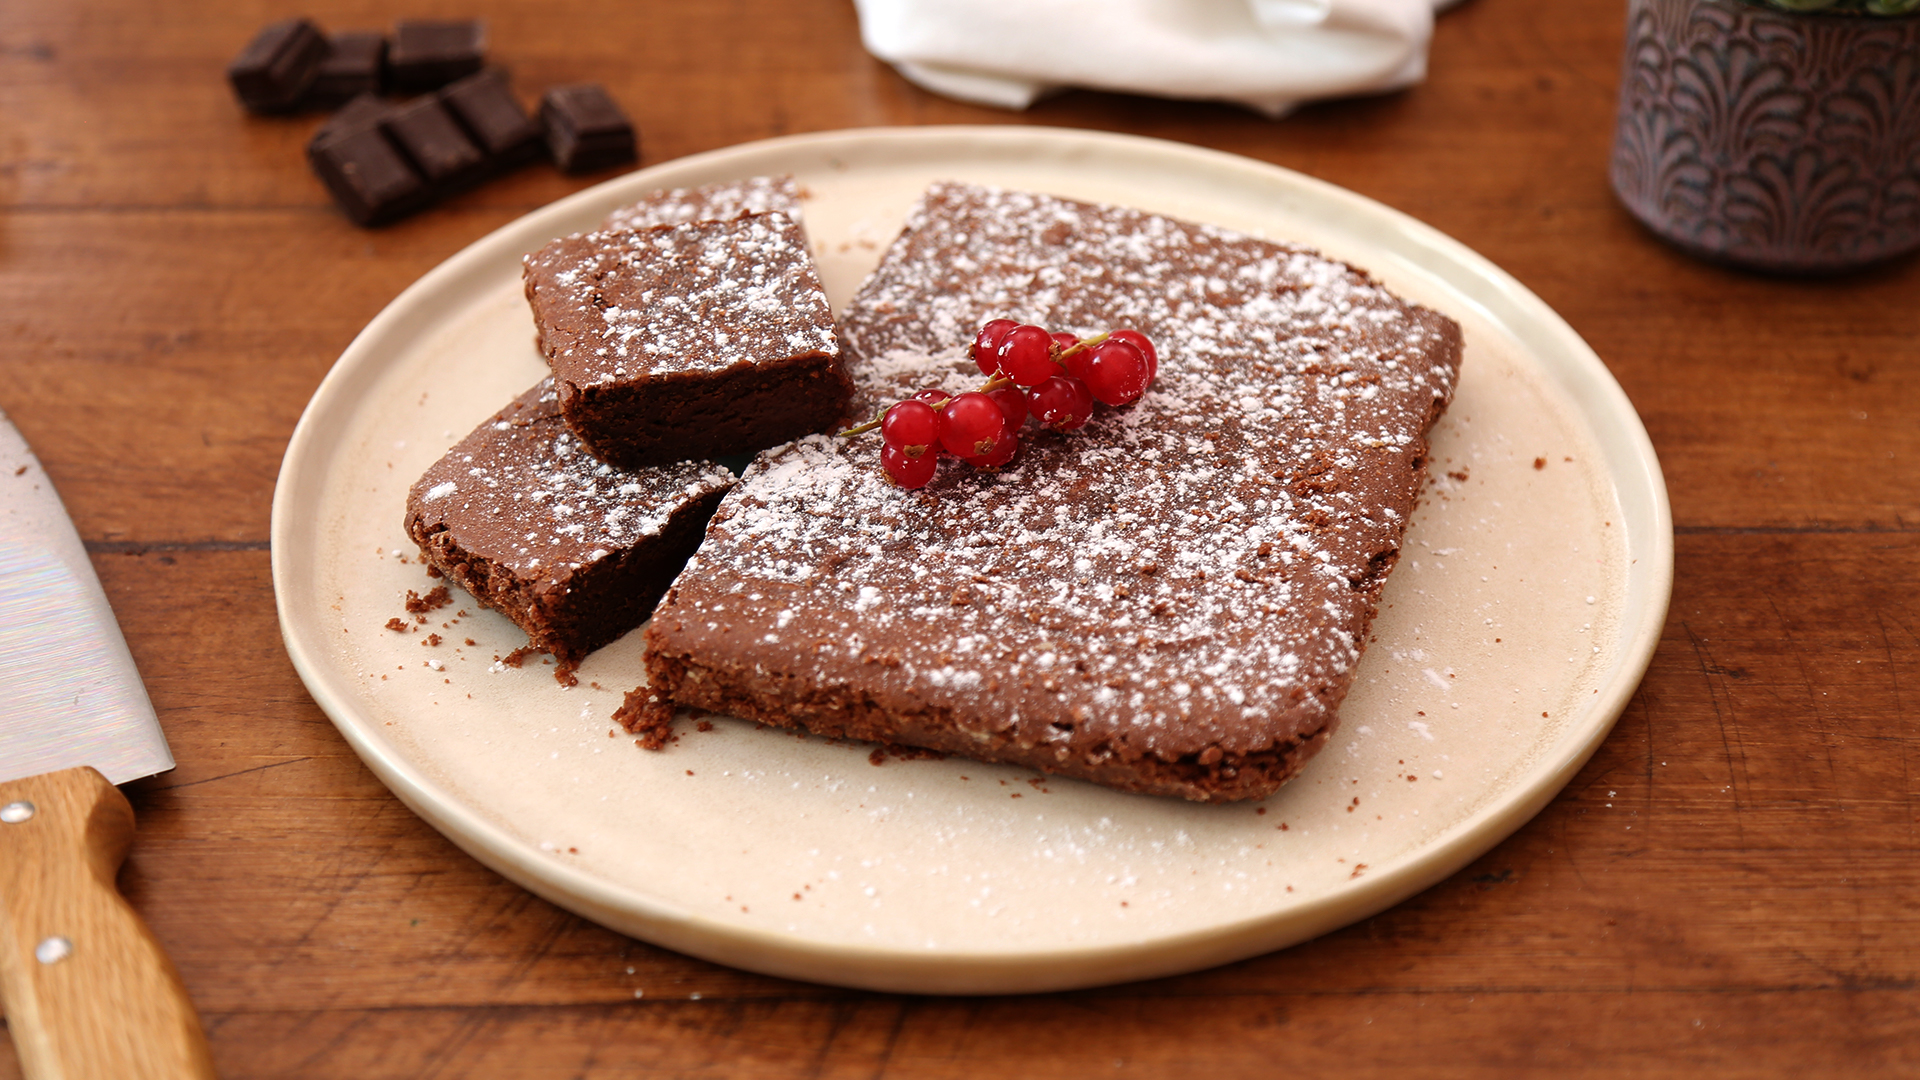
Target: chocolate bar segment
(369,179)
(424,130)
(428,54)
(366,110)
(355,63)
(273,72)
(485,106)
(585,129)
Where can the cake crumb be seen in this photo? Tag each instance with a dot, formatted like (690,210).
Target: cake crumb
(645,715)
(436,598)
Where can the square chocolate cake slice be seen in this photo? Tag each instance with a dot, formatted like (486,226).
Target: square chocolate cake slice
(1171,600)
(574,551)
(689,341)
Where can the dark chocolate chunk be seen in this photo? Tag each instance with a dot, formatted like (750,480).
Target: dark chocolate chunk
(273,72)
(485,106)
(425,131)
(370,180)
(364,111)
(585,129)
(355,63)
(428,54)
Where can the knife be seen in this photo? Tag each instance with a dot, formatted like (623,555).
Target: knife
(88,991)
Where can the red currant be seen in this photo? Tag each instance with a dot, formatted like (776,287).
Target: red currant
(911,427)
(1001,453)
(932,395)
(908,472)
(1026,355)
(1013,402)
(972,425)
(986,345)
(1115,372)
(1145,344)
(1064,340)
(1062,403)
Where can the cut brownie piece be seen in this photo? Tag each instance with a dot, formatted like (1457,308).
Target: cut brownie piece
(273,72)
(586,130)
(723,201)
(574,551)
(1171,600)
(693,341)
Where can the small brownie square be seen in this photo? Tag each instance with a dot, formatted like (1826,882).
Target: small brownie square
(273,72)
(691,341)
(425,131)
(355,62)
(428,54)
(485,106)
(585,130)
(574,551)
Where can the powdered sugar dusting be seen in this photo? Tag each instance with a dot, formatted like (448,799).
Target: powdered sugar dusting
(1189,577)
(530,498)
(707,296)
(713,202)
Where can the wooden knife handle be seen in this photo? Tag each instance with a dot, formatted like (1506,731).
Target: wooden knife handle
(89,993)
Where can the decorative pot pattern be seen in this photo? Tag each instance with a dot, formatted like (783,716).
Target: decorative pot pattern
(1773,140)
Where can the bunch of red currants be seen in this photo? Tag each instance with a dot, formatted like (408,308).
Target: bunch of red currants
(1053,377)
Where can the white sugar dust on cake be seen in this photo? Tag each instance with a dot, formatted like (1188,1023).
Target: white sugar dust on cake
(1171,600)
(721,201)
(573,550)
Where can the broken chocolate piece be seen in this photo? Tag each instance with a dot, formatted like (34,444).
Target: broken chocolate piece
(485,106)
(428,54)
(369,179)
(364,111)
(354,65)
(368,176)
(273,72)
(585,129)
(424,130)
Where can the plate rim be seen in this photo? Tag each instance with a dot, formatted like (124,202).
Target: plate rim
(1501,299)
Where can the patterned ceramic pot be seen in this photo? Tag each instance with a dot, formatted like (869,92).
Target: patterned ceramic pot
(1768,139)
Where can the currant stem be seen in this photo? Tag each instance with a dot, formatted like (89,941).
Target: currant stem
(998,382)
(1081,346)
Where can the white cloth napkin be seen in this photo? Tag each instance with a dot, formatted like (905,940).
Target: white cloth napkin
(1269,55)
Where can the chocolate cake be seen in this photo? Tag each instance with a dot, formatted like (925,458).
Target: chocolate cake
(574,551)
(723,201)
(1171,600)
(699,340)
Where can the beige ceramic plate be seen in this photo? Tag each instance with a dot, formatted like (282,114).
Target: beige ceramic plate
(1522,615)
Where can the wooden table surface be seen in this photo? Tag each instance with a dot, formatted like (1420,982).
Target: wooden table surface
(1729,887)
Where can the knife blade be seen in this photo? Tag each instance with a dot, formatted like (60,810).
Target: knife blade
(87,989)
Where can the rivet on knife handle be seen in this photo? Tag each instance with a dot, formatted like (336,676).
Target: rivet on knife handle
(88,991)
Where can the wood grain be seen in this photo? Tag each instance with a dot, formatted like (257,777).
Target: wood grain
(1729,888)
